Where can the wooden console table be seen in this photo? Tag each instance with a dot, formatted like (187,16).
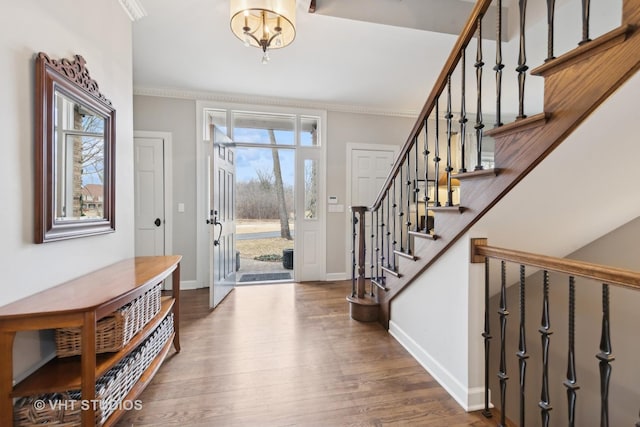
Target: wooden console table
(81,303)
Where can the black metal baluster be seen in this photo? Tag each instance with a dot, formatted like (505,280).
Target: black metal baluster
(499,65)
(479,124)
(571,380)
(408,205)
(401,213)
(449,168)
(409,194)
(372,266)
(436,156)
(522,59)
(377,231)
(354,221)
(395,228)
(487,340)
(463,113)
(605,358)
(382,236)
(522,346)
(545,333)
(416,189)
(586,5)
(388,229)
(426,197)
(551,10)
(502,374)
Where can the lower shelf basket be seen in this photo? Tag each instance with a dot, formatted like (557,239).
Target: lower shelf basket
(65,408)
(115,330)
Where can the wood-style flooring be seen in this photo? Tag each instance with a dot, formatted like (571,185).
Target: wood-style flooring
(289,355)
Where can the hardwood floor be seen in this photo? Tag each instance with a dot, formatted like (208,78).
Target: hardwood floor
(289,355)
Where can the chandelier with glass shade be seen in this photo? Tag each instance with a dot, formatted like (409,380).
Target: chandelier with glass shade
(267,24)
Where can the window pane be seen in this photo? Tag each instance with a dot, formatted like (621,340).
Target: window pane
(309,133)
(217,118)
(310,189)
(263,128)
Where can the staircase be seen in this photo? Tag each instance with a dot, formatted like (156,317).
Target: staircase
(403,245)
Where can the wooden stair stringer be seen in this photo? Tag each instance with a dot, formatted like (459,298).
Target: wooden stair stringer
(571,94)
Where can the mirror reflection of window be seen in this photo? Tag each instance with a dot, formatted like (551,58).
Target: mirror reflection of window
(79,142)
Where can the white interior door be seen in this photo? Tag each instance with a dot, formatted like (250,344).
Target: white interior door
(369,169)
(150,218)
(222,227)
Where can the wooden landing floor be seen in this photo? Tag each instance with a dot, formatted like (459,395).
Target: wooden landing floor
(289,355)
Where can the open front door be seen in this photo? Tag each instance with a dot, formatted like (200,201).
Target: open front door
(222,227)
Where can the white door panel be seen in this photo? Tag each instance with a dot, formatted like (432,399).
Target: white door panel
(149,196)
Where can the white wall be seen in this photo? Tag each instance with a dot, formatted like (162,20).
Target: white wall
(583,190)
(176,116)
(435,318)
(101,33)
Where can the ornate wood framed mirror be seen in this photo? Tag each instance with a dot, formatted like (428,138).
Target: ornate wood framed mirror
(74,152)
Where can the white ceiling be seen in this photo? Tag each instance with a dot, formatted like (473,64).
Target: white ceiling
(341,61)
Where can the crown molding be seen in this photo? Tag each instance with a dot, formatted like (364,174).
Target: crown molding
(134,9)
(261,100)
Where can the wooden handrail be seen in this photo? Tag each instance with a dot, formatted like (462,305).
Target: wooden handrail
(610,275)
(465,36)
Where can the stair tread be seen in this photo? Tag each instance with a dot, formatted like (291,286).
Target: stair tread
(519,125)
(456,208)
(423,235)
(476,174)
(380,283)
(405,255)
(391,271)
(366,300)
(584,51)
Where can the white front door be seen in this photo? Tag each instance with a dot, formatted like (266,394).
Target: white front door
(150,217)
(369,168)
(222,215)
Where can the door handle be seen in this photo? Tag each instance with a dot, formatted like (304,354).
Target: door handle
(215,222)
(216,242)
(157,222)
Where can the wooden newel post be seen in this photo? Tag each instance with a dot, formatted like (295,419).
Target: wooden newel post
(362,307)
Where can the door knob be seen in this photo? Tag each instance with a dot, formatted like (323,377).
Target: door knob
(157,222)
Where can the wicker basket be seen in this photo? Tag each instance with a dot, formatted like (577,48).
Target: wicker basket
(27,413)
(115,330)
(64,409)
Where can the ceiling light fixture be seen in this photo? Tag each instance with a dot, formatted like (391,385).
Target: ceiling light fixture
(267,24)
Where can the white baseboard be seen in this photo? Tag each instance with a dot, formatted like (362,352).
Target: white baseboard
(471,399)
(335,277)
(186,285)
